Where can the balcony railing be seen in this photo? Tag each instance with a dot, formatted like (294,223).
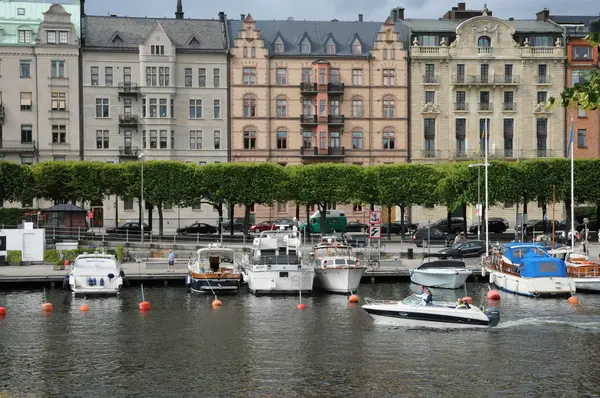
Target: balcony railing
(129,151)
(332,119)
(324,152)
(1,113)
(485,51)
(461,106)
(542,52)
(543,79)
(485,106)
(430,79)
(308,119)
(308,88)
(17,146)
(431,153)
(509,106)
(335,88)
(128,89)
(486,79)
(128,120)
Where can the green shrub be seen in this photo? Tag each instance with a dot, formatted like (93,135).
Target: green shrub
(71,255)
(51,256)
(11,216)
(13,257)
(120,253)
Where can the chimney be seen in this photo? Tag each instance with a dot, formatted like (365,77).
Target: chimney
(401,13)
(394,14)
(242,16)
(179,10)
(222,16)
(543,15)
(511,19)
(360,17)
(462,6)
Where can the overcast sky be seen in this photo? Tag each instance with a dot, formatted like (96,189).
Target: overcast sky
(376,10)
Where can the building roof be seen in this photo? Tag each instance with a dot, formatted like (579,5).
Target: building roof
(442,25)
(132,32)
(65,208)
(317,32)
(573,19)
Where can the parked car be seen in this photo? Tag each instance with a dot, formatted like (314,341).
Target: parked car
(238,225)
(356,226)
(352,240)
(263,226)
(397,228)
(286,223)
(496,225)
(456,226)
(538,226)
(578,226)
(466,249)
(197,228)
(434,236)
(130,228)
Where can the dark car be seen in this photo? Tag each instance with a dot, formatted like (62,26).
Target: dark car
(456,226)
(197,228)
(578,226)
(434,236)
(352,240)
(130,228)
(466,249)
(356,226)
(538,226)
(397,228)
(496,225)
(238,225)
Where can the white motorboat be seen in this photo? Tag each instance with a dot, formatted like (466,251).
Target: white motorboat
(580,267)
(96,274)
(276,265)
(446,274)
(413,312)
(214,270)
(337,270)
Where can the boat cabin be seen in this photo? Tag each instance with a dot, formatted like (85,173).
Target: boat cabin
(437,264)
(212,260)
(96,264)
(277,248)
(529,260)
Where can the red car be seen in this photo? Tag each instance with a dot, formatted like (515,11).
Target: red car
(263,226)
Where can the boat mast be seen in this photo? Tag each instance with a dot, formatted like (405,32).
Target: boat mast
(553,212)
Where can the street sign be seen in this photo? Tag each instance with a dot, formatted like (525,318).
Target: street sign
(375,217)
(374,232)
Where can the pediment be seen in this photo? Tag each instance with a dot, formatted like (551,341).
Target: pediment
(430,108)
(192,41)
(540,109)
(157,35)
(115,38)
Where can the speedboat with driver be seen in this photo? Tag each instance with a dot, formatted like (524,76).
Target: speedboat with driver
(414,312)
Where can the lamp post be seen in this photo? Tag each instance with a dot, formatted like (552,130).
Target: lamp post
(478,165)
(141,156)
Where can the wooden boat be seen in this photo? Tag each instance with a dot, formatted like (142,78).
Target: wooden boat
(214,271)
(580,267)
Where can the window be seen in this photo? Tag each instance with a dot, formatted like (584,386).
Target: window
(249,139)
(25,69)
(334,139)
(196,139)
(127,75)
(461,101)
(108,76)
(542,135)
(102,107)
(59,101)
(94,75)
(582,53)
(26,159)
(357,208)
(59,158)
(249,76)
(334,76)
(307,139)
(157,50)
(542,96)
(59,134)
(461,133)
(163,107)
(306,75)
(102,139)
(152,108)
(307,107)
(151,76)
(153,139)
(127,140)
(195,109)
(20,11)
(163,76)
(24,36)
(163,139)
(577,76)
(197,205)
(509,128)
(216,109)
(63,37)
(322,76)
(429,40)
(281,77)
(281,207)
(429,137)
(201,77)
(172,139)
(188,77)
(305,46)
(323,140)
(385,53)
(278,46)
(580,112)
(389,77)
(484,101)
(249,106)
(281,107)
(253,52)
(543,74)
(484,41)
(245,52)
(334,108)
(389,140)
(485,72)
(393,53)
(389,108)
(322,108)
(357,140)
(508,101)
(356,47)
(357,108)
(281,140)
(508,73)
(51,37)
(330,47)
(128,205)
(581,138)
(216,77)
(357,77)
(460,73)
(484,127)
(26,101)
(429,97)
(217,139)
(57,68)
(26,134)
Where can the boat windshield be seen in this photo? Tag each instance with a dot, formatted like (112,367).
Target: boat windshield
(334,251)
(412,300)
(95,263)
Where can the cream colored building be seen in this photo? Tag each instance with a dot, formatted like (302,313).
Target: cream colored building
(317,91)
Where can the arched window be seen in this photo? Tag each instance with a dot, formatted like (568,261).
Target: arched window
(484,41)
(356,47)
(357,139)
(388,139)
(389,107)
(249,105)
(330,46)
(281,139)
(305,46)
(282,104)
(250,137)
(278,46)
(357,107)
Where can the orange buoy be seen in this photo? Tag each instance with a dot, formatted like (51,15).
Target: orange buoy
(47,307)
(217,303)
(2,311)
(573,300)
(468,300)
(353,299)
(493,295)
(144,306)
(301,306)
(84,308)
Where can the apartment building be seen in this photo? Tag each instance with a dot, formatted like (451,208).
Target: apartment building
(39,82)
(155,89)
(317,91)
(581,57)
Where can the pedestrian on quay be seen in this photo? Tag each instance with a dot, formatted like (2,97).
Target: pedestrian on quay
(171,261)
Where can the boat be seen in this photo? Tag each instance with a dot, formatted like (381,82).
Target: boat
(413,312)
(337,270)
(527,269)
(445,274)
(580,267)
(276,265)
(214,270)
(96,274)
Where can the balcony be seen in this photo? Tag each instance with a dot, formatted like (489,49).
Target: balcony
(308,120)
(489,80)
(16,146)
(308,88)
(509,107)
(485,107)
(128,121)
(460,155)
(335,120)
(429,51)
(430,79)
(431,153)
(485,51)
(129,151)
(1,114)
(330,152)
(461,106)
(543,79)
(128,89)
(543,52)
(506,79)
(335,88)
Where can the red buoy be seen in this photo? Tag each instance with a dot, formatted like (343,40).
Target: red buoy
(301,306)
(47,307)
(353,299)
(468,300)
(84,308)
(573,300)
(144,306)
(2,311)
(217,303)
(493,295)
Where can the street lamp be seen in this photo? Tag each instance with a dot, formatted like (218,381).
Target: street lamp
(478,165)
(141,156)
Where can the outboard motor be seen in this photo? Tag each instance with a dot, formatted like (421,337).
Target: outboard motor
(65,285)
(493,315)
(125,281)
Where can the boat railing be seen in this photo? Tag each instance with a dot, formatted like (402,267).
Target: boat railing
(283,259)
(369,300)
(584,271)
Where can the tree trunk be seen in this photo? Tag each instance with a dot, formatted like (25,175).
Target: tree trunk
(465,227)
(323,217)
(246,218)
(117,210)
(389,214)
(150,208)
(307,229)
(231,215)
(297,212)
(449,221)
(483,223)
(597,215)
(219,208)
(159,207)
(545,218)
(402,224)
(372,206)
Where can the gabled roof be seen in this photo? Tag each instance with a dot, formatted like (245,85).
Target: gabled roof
(573,19)
(354,38)
(115,39)
(192,41)
(449,26)
(304,36)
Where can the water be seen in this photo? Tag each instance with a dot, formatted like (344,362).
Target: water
(261,346)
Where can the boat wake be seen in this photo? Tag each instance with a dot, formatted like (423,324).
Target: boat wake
(549,322)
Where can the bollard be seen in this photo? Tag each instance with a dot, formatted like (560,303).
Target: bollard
(79,234)
(174,238)
(410,254)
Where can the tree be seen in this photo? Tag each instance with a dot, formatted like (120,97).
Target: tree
(53,181)
(16,182)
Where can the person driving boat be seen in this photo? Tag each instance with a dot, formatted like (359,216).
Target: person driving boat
(426,295)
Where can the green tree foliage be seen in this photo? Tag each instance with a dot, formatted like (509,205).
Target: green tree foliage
(15,182)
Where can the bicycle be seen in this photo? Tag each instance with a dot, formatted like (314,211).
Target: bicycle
(372,263)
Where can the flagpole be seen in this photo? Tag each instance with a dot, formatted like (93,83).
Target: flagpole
(487,233)
(572,187)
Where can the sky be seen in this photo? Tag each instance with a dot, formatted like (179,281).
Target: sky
(373,10)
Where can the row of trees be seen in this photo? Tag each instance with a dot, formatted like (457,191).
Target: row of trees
(245,184)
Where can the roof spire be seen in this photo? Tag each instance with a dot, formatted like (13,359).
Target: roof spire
(179,12)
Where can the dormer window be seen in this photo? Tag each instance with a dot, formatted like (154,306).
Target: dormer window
(157,49)
(63,37)
(20,11)
(278,46)
(330,47)
(484,41)
(51,37)
(24,36)
(356,47)
(305,46)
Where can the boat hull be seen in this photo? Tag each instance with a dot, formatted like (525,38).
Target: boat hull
(280,282)
(589,284)
(339,280)
(79,286)
(440,278)
(532,287)
(208,285)
(409,318)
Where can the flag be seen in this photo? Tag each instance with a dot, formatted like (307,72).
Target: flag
(482,139)
(570,140)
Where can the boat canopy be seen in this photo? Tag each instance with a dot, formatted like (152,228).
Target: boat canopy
(87,263)
(225,255)
(534,266)
(515,252)
(442,264)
